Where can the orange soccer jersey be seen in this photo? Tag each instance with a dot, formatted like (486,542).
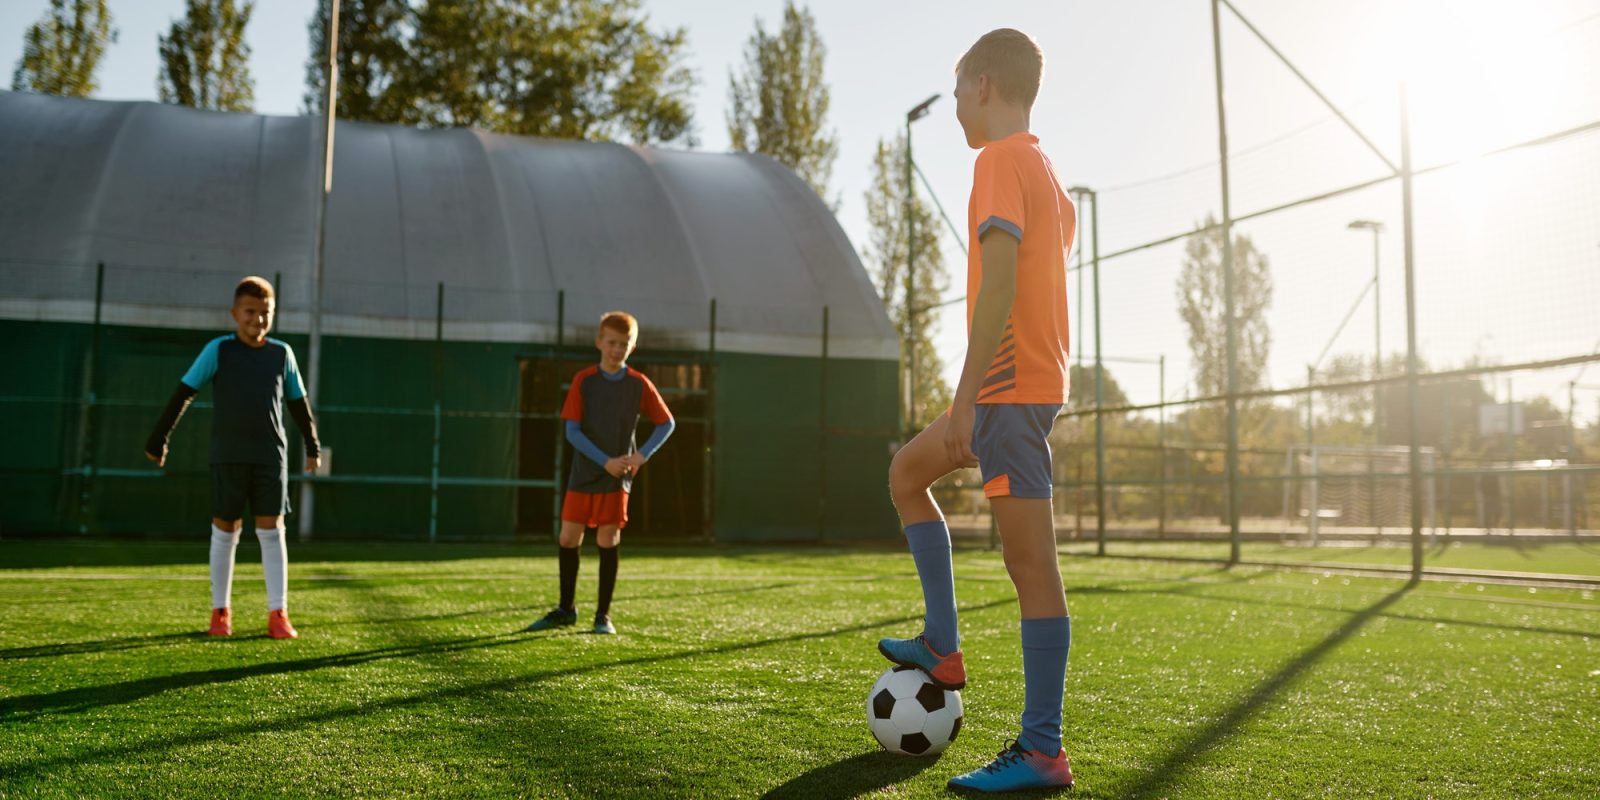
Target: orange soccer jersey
(1015,190)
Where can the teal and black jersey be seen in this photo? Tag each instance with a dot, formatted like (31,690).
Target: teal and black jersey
(249,387)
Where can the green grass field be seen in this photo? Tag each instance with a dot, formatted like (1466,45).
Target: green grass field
(1501,554)
(743,673)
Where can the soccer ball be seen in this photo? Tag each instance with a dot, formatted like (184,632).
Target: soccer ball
(911,716)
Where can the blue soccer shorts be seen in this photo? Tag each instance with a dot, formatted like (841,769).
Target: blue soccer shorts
(1012,442)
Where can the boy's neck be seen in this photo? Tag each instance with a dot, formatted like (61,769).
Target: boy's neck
(604,367)
(243,337)
(1006,122)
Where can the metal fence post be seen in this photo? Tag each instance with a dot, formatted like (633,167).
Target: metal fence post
(1227,289)
(1099,385)
(822,435)
(86,413)
(708,474)
(438,366)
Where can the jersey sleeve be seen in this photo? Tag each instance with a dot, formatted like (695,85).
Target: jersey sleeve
(572,408)
(997,198)
(651,404)
(204,367)
(293,387)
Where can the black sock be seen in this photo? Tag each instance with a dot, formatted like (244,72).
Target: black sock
(608,580)
(569,576)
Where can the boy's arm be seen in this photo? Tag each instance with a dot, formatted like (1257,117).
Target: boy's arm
(294,391)
(200,373)
(155,448)
(585,445)
(995,295)
(300,411)
(655,408)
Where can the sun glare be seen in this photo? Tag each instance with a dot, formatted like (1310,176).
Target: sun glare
(1479,75)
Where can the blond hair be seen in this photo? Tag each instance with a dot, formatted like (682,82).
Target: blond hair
(1011,59)
(253,286)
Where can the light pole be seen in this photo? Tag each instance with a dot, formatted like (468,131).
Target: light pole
(1377,362)
(909,334)
(314,345)
(1099,372)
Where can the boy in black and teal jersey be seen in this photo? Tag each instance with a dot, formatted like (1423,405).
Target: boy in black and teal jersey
(252,377)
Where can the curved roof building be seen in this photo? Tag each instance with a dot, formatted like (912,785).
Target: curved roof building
(180,202)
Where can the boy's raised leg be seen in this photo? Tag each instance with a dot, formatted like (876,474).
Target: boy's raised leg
(914,469)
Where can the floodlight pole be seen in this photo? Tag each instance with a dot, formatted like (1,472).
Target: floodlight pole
(1099,374)
(314,347)
(920,111)
(1377,368)
(1411,339)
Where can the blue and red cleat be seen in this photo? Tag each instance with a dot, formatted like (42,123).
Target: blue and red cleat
(946,672)
(1018,768)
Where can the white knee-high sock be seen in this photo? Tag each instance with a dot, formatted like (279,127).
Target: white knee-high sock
(223,545)
(274,566)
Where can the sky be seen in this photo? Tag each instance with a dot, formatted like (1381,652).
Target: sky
(1507,247)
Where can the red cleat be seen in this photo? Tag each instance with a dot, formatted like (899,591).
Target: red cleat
(278,626)
(221,622)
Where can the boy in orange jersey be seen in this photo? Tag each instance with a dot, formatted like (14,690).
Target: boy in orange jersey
(601,410)
(1013,384)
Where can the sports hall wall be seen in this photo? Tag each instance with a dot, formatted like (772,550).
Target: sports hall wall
(779,468)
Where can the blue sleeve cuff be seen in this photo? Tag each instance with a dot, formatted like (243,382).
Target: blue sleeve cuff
(588,448)
(1003,224)
(658,437)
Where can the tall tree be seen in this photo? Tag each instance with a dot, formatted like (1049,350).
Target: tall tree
(1203,306)
(778,105)
(61,51)
(204,58)
(887,212)
(372,50)
(578,69)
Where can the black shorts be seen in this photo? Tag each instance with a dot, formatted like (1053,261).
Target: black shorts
(265,486)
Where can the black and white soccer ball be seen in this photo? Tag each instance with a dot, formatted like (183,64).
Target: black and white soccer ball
(911,716)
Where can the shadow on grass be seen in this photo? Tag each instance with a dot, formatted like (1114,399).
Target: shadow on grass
(1162,780)
(851,777)
(26,707)
(98,645)
(689,595)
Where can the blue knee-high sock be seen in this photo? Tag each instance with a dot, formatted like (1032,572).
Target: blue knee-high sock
(930,549)
(1045,643)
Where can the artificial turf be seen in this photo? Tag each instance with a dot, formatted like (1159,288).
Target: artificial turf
(743,673)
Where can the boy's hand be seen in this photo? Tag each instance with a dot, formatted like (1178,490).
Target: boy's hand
(158,460)
(617,466)
(958,435)
(634,461)
(313,463)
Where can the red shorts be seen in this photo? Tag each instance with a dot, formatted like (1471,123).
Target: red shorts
(592,510)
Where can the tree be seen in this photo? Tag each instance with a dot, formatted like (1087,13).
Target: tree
(886,250)
(204,58)
(1081,396)
(573,69)
(61,51)
(778,106)
(372,51)
(1203,306)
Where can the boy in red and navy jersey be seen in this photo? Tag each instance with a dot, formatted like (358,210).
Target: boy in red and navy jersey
(601,411)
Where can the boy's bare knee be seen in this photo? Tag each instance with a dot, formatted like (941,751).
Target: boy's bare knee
(269,522)
(608,538)
(229,525)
